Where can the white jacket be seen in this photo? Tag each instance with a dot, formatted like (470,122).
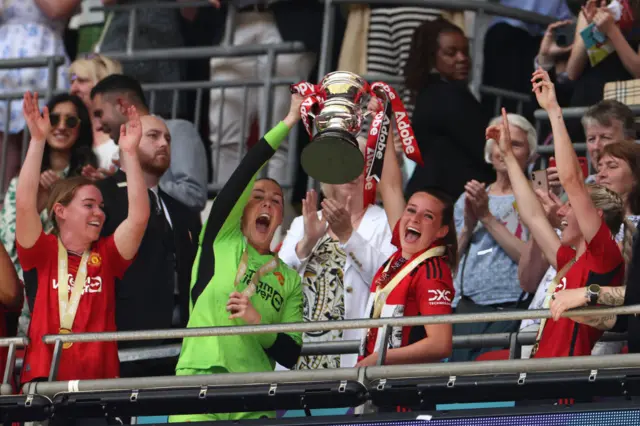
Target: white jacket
(367,249)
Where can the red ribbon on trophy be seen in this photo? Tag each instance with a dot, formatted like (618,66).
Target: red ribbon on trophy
(379,133)
(313,95)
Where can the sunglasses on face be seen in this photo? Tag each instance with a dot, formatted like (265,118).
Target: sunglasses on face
(70,122)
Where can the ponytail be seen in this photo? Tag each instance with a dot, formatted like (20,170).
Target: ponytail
(627,243)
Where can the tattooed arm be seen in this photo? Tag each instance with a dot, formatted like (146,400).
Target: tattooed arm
(601,323)
(612,296)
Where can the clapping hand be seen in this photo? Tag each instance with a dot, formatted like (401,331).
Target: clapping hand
(339,218)
(551,204)
(470,218)
(130,132)
(604,20)
(39,124)
(544,89)
(314,227)
(476,193)
(590,9)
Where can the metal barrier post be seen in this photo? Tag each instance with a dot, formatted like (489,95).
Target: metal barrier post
(11,359)
(5,148)
(382,346)
(55,361)
(132,30)
(267,101)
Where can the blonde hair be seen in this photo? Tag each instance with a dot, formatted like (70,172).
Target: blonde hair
(94,67)
(613,214)
(62,192)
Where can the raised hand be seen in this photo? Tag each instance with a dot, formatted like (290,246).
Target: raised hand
(294,110)
(339,218)
(501,134)
(544,89)
(549,49)
(131,132)
(314,227)
(590,9)
(39,124)
(604,20)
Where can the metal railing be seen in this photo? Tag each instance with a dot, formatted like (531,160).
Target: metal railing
(385,323)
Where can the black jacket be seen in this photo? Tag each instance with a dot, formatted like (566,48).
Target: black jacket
(145,296)
(449,125)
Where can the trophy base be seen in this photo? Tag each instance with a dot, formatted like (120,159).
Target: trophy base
(333,157)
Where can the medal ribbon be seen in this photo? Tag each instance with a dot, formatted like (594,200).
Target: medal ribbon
(382,293)
(265,269)
(68,304)
(547,302)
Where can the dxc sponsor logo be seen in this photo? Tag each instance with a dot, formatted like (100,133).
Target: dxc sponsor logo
(440,296)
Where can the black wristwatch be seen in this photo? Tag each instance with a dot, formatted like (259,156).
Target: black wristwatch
(593,292)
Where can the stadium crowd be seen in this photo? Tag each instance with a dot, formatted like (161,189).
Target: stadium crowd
(114,185)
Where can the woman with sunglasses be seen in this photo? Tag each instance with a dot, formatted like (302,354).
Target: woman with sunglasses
(68,149)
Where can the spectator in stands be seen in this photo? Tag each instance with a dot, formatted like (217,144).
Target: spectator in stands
(156,28)
(448,121)
(417,279)
(238,280)
(519,41)
(84,74)
(186,179)
(75,267)
(378,38)
(10,298)
(491,238)
(621,64)
(67,151)
(553,58)
(258,22)
(606,122)
(337,252)
(31,28)
(159,277)
(587,252)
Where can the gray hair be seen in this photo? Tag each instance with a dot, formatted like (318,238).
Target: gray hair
(521,123)
(604,112)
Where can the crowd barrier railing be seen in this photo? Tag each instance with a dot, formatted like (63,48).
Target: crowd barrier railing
(386,324)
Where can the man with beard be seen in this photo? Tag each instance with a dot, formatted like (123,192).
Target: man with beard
(154,292)
(186,178)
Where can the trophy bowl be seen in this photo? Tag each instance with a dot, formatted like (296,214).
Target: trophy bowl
(333,156)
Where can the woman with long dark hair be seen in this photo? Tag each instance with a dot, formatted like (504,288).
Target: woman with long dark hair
(448,120)
(67,150)
(418,278)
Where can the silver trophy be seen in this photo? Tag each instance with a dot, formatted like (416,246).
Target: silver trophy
(333,156)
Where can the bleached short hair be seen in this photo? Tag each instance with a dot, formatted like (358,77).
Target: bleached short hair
(519,122)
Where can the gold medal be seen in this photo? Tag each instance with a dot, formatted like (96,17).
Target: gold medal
(65,345)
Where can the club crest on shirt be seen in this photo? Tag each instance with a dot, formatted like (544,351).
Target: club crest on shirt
(279,276)
(95,260)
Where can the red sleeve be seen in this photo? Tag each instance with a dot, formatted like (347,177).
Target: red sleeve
(117,264)
(603,251)
(434,294)
(564,255)
(46,245)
